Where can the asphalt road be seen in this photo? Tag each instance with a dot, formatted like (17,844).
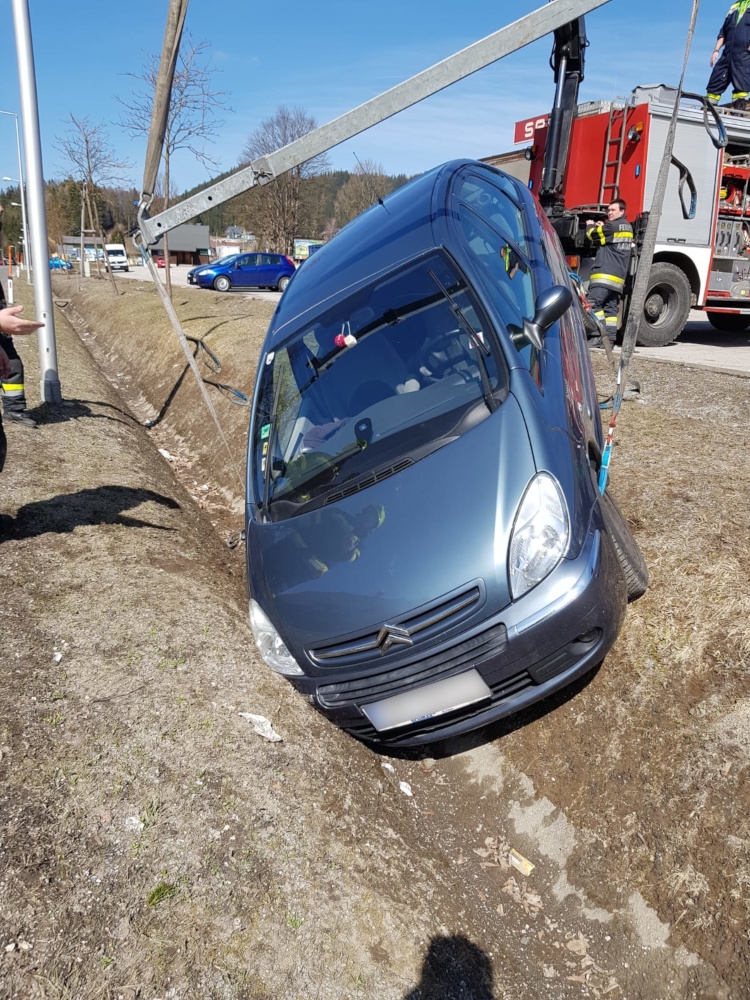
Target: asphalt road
(699,344)
(179,280)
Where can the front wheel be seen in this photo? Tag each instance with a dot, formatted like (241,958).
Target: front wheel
(667,306)
(222,283)
(283,282)
(632,563)
(729,322)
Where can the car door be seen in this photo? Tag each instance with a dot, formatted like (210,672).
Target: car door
(246,270)
(269,269)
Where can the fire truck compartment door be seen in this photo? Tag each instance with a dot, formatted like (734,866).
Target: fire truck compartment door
(693,146)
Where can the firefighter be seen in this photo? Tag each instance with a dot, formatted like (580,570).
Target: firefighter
(607,282)
(11,323)
(733,65)
(14,395)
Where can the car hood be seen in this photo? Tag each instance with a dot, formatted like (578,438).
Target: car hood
(402,543)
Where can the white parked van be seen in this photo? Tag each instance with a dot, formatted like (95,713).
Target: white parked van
(118,259)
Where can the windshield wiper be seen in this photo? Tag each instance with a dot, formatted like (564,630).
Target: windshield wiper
(474,337)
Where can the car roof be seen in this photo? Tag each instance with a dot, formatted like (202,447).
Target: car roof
(397,228)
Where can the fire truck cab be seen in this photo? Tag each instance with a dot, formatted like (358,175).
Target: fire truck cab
(615,150)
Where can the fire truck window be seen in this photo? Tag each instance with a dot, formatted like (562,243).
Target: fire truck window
(509,279)
(496,207)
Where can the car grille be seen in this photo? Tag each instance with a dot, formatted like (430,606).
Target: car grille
(422,625)
(428,667)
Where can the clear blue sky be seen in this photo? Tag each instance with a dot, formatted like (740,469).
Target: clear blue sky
(329,56)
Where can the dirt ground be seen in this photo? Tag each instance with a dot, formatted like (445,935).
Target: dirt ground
(153,845)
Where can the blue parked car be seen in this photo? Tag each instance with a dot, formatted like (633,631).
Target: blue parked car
(58,264)
(244,270)
(427,548)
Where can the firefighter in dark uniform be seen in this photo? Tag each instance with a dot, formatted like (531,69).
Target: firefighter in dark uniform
(607,282)
(733,65)
(11,324)
(14,395)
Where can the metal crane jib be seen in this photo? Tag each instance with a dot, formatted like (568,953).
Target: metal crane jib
(524,31)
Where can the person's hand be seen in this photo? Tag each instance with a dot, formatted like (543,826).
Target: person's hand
(714,57)
(12,324)
(590,222)
(4,364)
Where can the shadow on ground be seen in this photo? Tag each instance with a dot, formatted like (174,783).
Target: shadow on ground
(65,513)
(454,969)
(76,409)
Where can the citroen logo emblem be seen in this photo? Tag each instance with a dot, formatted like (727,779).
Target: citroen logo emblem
(393,635)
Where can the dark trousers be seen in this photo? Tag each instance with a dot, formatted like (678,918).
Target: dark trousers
(605,303)
(731,68)
(14,396)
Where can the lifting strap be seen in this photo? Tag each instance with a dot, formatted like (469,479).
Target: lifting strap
(640,286)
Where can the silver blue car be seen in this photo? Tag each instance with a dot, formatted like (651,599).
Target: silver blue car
(427,547)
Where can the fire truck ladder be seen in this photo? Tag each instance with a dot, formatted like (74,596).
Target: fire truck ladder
(618,113)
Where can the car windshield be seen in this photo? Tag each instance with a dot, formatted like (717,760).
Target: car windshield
(386,376)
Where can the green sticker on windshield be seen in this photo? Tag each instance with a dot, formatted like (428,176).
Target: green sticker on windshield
(265,431)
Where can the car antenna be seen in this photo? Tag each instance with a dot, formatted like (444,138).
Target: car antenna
(373,192)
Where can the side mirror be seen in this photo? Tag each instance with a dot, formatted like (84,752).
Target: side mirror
(549,307)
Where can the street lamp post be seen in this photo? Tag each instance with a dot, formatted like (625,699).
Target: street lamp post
(26,248)
(22,206)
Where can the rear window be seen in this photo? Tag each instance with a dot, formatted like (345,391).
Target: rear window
(390,374)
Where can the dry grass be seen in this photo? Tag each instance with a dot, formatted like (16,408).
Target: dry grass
(232,868)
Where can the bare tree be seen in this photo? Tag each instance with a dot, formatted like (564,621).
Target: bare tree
(367,185)
(87,148)
(279,200)
(192,122)
(94,164)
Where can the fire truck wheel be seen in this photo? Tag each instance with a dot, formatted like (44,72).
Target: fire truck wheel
(630,557)
(730,322)
(667,306)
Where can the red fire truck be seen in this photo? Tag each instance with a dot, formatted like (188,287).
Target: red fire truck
(584,156)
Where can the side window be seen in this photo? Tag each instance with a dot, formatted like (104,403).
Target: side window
(509,271)
(510,283)
(497,207)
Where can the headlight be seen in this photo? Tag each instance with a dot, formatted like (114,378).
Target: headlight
(540,534)
(271,645)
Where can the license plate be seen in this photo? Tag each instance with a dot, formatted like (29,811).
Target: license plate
(427,702)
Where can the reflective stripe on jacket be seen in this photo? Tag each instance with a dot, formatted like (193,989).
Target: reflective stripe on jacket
(615,240)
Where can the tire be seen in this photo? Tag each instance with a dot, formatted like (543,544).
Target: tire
(667,306)
(222,283)
(729,322)
(630,557)
(283,282)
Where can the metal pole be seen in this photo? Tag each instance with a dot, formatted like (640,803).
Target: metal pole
(26,247)
(50,381)
(26,263)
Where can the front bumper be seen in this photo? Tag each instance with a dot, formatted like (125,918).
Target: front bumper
(534,647)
